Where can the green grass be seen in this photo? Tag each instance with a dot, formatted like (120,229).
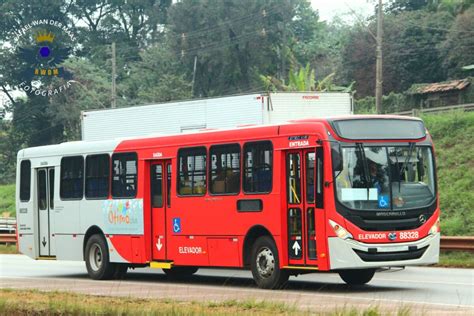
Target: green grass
(7,199)
(453,136)
(456,259)
(8,249)
(33,302)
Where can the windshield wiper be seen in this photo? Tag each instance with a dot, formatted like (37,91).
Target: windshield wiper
(405,164)
(398,174)
(365,167)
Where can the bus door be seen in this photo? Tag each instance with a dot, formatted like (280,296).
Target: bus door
(301,212)
(45,198)
(160,186)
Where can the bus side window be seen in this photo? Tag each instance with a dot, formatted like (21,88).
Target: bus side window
(97,176)
(25,180)
(258,167)
(72,177)
(224,171)
(192,171)
(124,175)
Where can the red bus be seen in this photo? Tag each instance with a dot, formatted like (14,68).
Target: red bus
(349,195)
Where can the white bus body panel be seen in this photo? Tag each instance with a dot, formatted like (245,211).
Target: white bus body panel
(68,220)
(211,113)
(342,255)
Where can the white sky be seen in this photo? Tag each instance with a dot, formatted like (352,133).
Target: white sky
(328,9)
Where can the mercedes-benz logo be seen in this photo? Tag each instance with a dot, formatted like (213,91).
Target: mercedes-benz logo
(422,218)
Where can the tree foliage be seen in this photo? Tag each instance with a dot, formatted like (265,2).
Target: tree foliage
(170,50)
(459,45)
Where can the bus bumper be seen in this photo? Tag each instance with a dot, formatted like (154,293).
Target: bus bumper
(351,254)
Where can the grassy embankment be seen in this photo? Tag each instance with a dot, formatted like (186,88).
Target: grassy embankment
(63,303)
(7,200)
(453,135)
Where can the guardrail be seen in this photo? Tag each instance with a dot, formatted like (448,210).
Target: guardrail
(7,224)
(449,243)
(457,243)
(416,112)
(7,239)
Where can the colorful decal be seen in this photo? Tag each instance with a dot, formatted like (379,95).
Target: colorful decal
(177,225)
(123,216)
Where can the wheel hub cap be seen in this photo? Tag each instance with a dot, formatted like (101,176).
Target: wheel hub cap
(95,257)
(265,262)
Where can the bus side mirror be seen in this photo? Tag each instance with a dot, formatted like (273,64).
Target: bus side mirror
(336,153)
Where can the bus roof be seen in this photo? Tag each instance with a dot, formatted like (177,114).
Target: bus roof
(309,125)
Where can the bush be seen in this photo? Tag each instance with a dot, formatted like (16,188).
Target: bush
(394,102)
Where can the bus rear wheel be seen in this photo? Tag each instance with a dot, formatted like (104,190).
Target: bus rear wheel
(98,264)
(180,272)
(265,264)
(357,276)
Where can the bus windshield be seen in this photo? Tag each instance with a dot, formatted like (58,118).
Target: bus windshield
(386,178)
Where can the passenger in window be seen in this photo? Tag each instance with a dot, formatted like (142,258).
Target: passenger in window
(218,184)
(376,178)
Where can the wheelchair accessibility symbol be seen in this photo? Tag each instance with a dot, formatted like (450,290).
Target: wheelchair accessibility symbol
(177,225)
(384,201)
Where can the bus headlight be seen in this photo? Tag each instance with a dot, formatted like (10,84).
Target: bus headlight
(435,228)
(340,231)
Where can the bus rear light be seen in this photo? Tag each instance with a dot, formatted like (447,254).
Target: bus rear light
(340,231)
(435,228)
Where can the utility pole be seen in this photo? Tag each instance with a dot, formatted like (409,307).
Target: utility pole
(114,94)
(378,70)
(194,75)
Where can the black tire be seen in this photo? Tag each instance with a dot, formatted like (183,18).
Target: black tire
(180,272)
(265,264)
(357,276)
(96,255)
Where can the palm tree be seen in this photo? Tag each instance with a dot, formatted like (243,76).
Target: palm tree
(304,79)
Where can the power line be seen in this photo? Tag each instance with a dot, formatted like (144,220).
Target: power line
(264,13)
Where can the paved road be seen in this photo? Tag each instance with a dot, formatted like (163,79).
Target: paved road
(429,290)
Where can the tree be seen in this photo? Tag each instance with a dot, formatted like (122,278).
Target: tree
(157,77)
(459,44)
(397,6)
(411,50)
(303,79)
(90,89)
(233,41)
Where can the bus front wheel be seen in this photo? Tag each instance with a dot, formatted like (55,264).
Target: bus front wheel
(98,264)
(357,276)
(265,264)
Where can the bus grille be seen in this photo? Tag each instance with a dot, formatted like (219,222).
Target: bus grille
(391,256)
